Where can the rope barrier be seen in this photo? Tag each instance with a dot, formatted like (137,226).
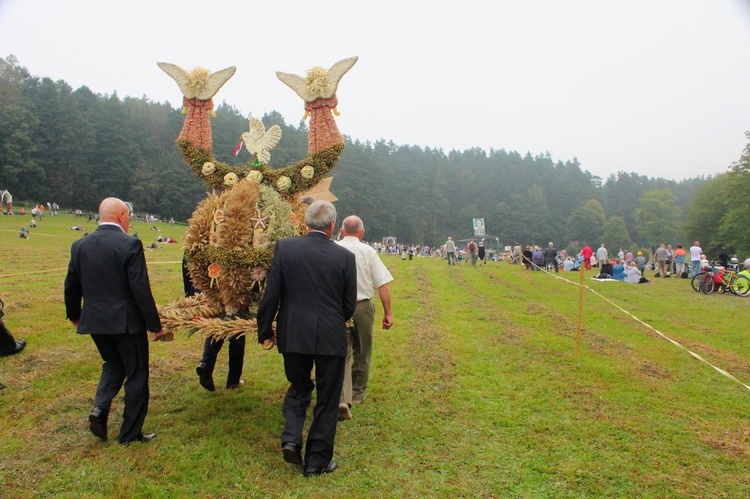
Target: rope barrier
(66,268)
(34,272)
(664,336)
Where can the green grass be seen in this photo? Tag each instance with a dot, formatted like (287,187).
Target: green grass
(476,391)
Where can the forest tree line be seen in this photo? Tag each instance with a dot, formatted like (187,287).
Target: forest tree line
(75,147)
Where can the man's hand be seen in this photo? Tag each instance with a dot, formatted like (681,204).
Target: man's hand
(156,336)
(269,343)
(75,324)
(387,321)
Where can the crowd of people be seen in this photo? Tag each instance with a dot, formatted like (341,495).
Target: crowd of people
(666,261)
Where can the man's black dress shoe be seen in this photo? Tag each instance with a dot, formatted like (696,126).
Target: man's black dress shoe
(292,453)
(20,345)
(145,437)
(206,380)
(319,471)
(98,422)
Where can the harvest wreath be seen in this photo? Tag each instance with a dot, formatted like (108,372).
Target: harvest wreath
(230,240)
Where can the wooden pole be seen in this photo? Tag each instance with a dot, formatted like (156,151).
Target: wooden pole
(580,310)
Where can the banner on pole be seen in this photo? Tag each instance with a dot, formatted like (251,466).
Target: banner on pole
(478,226)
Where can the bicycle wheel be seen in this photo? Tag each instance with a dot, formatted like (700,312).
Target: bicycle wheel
(729,283)
(741,286)
(695,281)
(706,284)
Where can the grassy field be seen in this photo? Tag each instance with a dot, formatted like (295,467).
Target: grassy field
(476,391)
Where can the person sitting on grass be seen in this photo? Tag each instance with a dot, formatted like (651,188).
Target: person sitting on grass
(633,275)
(618,270)
(606,271)
(24,234)
(8,344)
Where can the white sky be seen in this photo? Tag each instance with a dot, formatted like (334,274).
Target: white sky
(657,87)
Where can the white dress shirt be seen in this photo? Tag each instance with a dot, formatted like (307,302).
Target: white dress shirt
(371,271)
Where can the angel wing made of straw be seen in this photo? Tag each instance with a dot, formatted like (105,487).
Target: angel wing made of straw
(199,83)
(319,82)
(260,141)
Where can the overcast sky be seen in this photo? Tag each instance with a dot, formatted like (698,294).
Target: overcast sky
(657,87)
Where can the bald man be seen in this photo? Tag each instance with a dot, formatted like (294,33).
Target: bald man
(372,276)
(107,270)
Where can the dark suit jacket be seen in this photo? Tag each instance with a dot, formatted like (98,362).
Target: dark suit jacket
(312,284)
(107,270)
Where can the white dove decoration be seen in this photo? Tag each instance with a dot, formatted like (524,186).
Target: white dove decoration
(260,141)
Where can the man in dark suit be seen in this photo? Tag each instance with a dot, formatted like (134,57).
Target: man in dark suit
(107,270)
(311,292)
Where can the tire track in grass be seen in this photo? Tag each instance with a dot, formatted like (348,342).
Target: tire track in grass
(432,362)
(479,399)
(411,416)
(433,432)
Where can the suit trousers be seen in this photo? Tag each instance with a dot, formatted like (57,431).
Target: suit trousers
(125,361)
(359,353)
(211,350)
(329,376)
(7,342)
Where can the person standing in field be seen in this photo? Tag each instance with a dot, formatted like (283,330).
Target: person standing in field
(550,256)
(311,292)
(107,270)
(471,251)
(586,252)
(695,258)
(481,253)
(661,255)
(679,261)
(601,255)
(450,250)
(372,277)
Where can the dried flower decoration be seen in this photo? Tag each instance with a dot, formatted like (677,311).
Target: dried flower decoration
(284,183)
(258,273)
(219,216)
(254,175)
(208,168)
(230,178)
(307,172)
(213,273)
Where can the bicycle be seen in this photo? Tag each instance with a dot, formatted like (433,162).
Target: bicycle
(710,278)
